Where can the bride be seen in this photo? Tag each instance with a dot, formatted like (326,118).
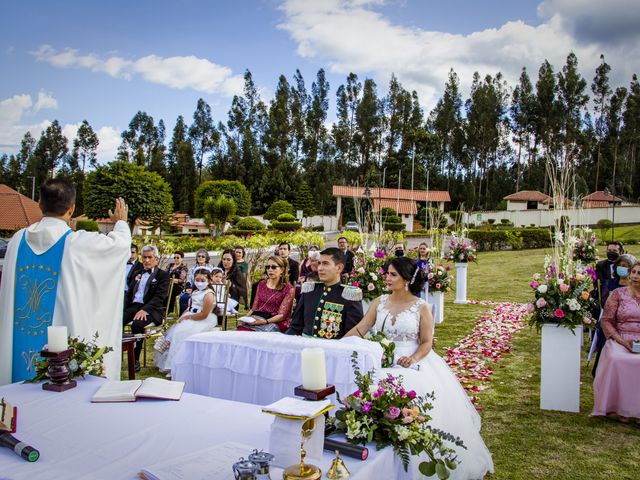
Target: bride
(407,321)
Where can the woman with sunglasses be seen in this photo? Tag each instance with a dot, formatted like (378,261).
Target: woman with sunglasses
(178,272)
(202,261)
(271,309)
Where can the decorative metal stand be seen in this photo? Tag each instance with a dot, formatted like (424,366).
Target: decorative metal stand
(58,370)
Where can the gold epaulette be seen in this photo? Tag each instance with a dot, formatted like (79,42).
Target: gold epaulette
(352,293)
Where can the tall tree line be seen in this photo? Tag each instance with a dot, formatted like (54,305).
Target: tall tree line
(498,140)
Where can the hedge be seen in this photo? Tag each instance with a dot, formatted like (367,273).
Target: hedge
(249,224)
(88,225)
(285,226)
(513,239)
(286,217)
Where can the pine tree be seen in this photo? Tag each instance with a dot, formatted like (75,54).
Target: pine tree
(304,200)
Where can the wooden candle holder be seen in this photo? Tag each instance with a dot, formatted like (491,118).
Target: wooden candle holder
(314,395)
(58,370)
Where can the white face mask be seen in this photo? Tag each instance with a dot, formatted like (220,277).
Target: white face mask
(201,285)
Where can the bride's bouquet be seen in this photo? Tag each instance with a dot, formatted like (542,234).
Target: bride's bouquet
(388,414)
(388,347)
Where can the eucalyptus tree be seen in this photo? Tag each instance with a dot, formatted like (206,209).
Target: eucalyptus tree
(601,98)
(203,134)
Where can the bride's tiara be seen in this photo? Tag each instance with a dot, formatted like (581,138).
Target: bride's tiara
(415,274)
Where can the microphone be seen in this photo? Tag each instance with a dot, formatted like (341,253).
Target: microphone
(30,454)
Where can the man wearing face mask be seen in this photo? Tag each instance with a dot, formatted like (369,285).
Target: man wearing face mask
(605,268)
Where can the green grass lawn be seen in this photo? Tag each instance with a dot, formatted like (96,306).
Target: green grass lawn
(623,233)
(526,442)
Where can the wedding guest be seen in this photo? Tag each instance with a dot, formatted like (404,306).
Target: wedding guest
(343,244)
(284,250)
(619,279)
(616,388)
(202,261)
(604,268)
(243,266)
(144,302)
(218,284)
(308,270)
(238,287)
(273,301)
(327,309)
(134,267)
(178,272)
(197,318)
(423,255)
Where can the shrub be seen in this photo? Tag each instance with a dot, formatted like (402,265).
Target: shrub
(491,221)
(278,208)
(235,219)
(604,225)
(456,216)
(285,226)
(286,217)
(88,225)
(394,223)
(505,221)
(218,211)
(317,228)
(249,224)
(229,188)
(510,239)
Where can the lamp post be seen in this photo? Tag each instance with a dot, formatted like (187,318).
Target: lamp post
(367,195)
(33,187)
(612,202)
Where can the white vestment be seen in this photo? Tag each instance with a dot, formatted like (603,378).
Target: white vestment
(90,289)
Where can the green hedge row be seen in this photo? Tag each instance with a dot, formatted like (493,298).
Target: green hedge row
(514,239)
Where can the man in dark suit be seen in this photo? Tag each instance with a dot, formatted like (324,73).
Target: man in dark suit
(604,268)
(144,301)
(134,267)
(284,250)
(343,245)
(327,309)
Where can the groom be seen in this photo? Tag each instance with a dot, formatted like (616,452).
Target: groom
(327,309)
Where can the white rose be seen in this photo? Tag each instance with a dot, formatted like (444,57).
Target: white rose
(461,256)
(371,287)
(542,289)
(374,277)
(360,270)
(573,305)
(385,341)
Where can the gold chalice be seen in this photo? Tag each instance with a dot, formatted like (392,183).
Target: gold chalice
(303,471)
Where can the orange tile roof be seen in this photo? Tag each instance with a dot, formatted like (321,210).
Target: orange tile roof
(600,196)
(17,210)
(393,194)
(528,196)
(403,207)
(594,204)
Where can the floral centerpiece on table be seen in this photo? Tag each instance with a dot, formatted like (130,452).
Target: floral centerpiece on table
(368,275)
(462,251)
(561,298)
(87,359)
(386,413)
(438,277)
(585,250)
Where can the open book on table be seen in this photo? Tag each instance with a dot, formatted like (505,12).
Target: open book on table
(131,390)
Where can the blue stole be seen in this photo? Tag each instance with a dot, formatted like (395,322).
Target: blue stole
(35,299)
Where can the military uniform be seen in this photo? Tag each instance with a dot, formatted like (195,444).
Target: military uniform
(326,311)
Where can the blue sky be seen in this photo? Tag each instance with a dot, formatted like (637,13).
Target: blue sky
(102,61)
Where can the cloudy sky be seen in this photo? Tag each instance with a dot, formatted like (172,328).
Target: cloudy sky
(72,60)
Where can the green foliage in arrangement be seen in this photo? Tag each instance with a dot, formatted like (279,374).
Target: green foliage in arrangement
(278,208)
(230,189)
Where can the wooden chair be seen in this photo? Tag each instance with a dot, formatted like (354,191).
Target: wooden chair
(222,302)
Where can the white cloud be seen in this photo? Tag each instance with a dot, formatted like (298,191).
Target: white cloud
(178,72)
(352,37)
(44,101)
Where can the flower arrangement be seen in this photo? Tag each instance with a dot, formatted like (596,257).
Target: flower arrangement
(438,277)
(388,347)
(388,414)
(585,250)
(461,251)
(87,359)
(561,298)
(368,275)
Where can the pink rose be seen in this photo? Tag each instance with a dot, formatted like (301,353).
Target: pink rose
(356,284)
(559,313)
(371,287)
(534,284)
(541,303)
(587,320)
(438,285)
(530,307)
(394,412)
(564,288)
(407,419)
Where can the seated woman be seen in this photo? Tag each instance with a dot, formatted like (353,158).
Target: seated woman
(407,321)
(238,287)
(198,317)
(616,386)
(178,273)
(273,301)
(202,261)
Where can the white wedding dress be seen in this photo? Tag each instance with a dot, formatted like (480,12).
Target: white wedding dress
(452,410)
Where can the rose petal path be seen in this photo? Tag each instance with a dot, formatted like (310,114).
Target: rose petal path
(474,358)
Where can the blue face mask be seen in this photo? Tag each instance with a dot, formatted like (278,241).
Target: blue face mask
(623,272)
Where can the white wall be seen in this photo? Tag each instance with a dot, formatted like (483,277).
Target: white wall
(545,218)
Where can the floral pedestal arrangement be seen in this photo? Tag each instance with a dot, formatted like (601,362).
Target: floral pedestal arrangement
(437,299)
(461,283)
(560,368)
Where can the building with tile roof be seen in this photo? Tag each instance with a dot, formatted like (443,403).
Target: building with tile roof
(17,210)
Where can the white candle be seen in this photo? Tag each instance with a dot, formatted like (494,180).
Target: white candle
(314,371)
(57,339)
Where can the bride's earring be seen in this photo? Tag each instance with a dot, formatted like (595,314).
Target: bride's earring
(406,286)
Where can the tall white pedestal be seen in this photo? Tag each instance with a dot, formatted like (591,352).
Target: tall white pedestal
(437,299)
(461,283)
(560,368)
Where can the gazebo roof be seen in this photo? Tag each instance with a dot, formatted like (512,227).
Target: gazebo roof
(528,196)
(403,207)
(17,210)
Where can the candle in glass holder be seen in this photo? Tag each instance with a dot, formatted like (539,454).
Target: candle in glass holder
(57,339)
(314,371)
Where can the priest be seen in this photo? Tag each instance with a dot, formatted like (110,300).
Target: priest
(55,276)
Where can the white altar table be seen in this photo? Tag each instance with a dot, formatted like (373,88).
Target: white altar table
(258,367)
(78,439)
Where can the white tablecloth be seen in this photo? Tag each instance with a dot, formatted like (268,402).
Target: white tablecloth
(256,367)
(78,439)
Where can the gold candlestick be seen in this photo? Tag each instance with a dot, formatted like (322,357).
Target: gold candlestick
(302,471)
